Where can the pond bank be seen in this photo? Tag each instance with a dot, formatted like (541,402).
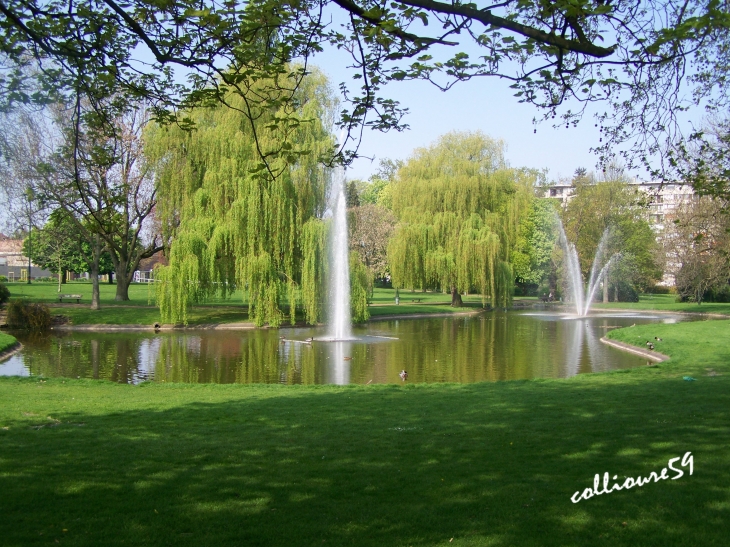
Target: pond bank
(103,327)
(650,355)
(9,346)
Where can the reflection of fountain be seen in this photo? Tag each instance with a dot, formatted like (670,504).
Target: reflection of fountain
(340,327)
(575,278)
(338,367)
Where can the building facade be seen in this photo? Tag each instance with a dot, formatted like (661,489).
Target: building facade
(664,198)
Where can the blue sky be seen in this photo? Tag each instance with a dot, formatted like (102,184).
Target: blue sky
(484,104)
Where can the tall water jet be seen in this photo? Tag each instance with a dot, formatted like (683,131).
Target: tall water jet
(340,323)
(582,300)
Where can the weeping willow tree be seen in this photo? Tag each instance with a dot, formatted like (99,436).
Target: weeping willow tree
(458,206)
(233,224)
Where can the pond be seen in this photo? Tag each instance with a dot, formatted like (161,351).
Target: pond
(487,347)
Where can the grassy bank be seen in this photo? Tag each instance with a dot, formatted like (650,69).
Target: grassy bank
(699,343)
(139,310)
(95,463)
(6,342)
(666,302)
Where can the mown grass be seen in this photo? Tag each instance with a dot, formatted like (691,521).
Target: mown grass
(666,302)
(6,341)
(96,463)
(139,309)
(701,343)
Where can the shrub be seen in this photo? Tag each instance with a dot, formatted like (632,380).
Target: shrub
(28,315)
(626,292)
(718,294)
(3,279)
(659,289)
(4,293)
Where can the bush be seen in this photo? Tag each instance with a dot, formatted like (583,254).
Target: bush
(28,315)
(659,289)
(3,279)
(718,294)
(626,292)
(4,293)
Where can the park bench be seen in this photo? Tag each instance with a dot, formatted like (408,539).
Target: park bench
(76,297)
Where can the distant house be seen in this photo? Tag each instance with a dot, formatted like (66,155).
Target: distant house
(145,272)
(14,264)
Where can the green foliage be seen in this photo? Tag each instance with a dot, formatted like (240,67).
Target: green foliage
(4,293)
(26,315)
(59,245)
(314,252)
(635,61)
(536,240)
(615,206)
(234,223)
(458,207)
(378,192)
(361,282)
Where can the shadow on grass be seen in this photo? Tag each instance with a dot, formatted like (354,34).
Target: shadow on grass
(484,464)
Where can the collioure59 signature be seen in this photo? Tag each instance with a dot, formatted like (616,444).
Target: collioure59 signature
(630,482)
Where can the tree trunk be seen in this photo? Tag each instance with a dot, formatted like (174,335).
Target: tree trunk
(95,301)
(605,287)
(456,301)
(123,282)
(95,353)
(60,273)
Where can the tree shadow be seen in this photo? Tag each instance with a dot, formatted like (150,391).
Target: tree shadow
(484,464)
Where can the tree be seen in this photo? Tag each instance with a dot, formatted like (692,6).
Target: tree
(59,247)
(458,208)
(94,169)
(352,194)
(697,244)
(536,238)
(23,205)
(704,161)
(370,229)
(55,246)
(230,222)
(377,191)
(614,206)
(560,55)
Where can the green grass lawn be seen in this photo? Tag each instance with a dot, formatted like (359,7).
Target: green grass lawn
(139,310)
(95,463)
(6,341)
(666,302)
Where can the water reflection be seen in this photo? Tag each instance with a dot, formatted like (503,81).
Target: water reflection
(490,347)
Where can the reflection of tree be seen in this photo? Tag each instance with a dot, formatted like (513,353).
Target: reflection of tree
(77,355)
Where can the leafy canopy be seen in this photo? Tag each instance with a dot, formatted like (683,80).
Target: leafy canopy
(233,224)
(560,55)
(458,207)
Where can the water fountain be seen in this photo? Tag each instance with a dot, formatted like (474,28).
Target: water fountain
(582,300)
(340,322)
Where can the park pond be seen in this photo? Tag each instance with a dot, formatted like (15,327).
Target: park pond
(487,347)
